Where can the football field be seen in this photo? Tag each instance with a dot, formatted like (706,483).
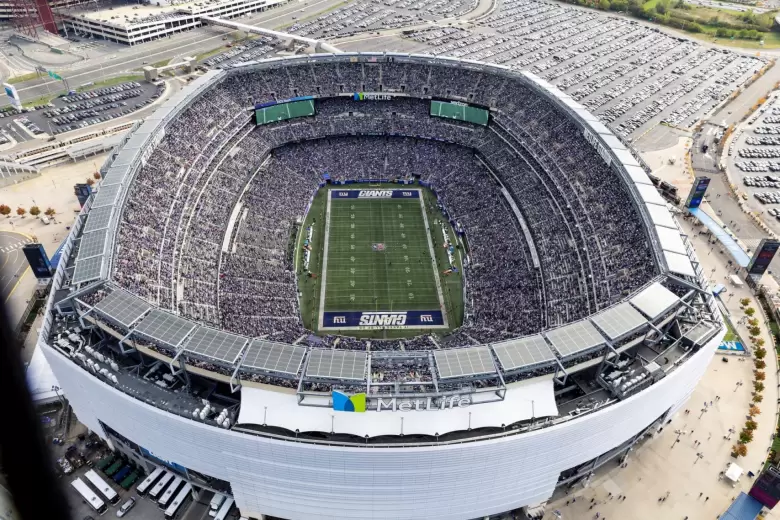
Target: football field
(379,271)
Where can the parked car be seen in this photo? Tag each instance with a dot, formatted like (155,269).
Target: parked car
(124,508)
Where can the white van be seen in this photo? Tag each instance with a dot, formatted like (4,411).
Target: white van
(216,503)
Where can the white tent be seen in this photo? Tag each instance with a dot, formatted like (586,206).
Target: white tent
(733,472)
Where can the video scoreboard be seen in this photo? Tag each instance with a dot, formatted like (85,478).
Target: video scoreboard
(274,111)
(460,111)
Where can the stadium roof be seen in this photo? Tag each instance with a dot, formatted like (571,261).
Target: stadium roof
(461,362)
(655,300)
(619,320)
(165,327)
(276,357)
(337,364)
(92,244)
(575,338)
(87,270)
(122,307)
(215,344)
(523,352)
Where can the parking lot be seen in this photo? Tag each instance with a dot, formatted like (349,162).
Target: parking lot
(77,111)
(247,50)
(753,158)
(633,76)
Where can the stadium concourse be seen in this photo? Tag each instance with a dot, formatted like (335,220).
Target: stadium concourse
(175,324)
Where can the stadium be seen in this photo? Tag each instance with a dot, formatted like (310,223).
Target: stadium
(358,285)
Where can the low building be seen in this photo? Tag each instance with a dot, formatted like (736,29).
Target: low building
(134,24)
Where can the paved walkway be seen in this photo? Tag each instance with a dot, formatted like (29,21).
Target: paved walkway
(655,468)
(660,465)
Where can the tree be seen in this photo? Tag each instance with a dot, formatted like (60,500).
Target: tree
(758,386)
(760,353)
(754,331)
(753,322)
(97,176)
(760,342)
(49,212)
(662,6)
(5,209)
(618,5)
(757,398)
(745,436)
(604,5)
(744,302)
(694,28)
(744,34)
(754,410)
(760,376)
(751,425)
(738,450)
(35,211)
(760,364)
(750,311)
(21,211)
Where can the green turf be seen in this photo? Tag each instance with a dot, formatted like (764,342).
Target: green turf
(390,283)
(401,277)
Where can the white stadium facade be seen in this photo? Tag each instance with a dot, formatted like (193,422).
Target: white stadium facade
(592,356)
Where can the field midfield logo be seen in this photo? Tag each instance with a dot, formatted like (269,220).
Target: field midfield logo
(375,194)
(346,403)
(378,247)
(382,319)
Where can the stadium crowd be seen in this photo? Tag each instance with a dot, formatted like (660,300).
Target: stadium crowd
(591,246)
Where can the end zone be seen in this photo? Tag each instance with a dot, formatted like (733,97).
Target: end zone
(376,320)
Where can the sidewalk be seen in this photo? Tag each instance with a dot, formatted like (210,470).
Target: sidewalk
(660,465)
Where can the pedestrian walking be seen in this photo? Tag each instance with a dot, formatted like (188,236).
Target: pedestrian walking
(700,494)
(706,499)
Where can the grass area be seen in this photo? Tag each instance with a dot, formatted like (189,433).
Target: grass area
(39,100)
(112,81)
(721,25)
(379,259)
(23,78)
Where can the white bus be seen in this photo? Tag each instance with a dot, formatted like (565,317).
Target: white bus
(157,490)
(166,497)
(102,487)
(89,496)
(225,509)
(173,509)
(144,486)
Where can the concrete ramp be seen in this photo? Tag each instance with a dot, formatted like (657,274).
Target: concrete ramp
(317,44)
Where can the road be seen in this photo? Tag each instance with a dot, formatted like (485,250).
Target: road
(191,43)
(13,263)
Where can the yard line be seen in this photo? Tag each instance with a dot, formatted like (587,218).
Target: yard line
(321,318)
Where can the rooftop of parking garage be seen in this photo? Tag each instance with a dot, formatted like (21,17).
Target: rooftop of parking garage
(125,15)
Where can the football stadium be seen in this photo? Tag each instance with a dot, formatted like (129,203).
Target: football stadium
(377,285)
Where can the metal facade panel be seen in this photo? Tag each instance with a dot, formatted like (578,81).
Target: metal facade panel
(451,482)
